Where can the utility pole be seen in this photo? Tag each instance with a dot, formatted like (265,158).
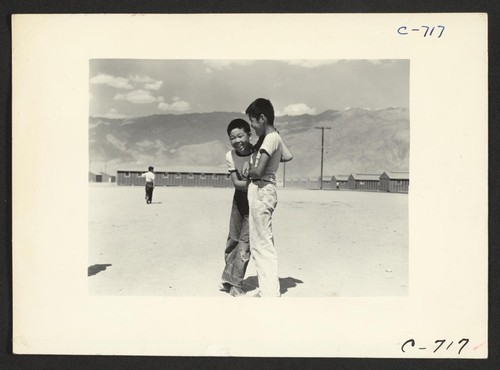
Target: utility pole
(322,128)
(284,170)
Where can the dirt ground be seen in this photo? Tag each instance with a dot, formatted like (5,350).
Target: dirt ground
(330,243)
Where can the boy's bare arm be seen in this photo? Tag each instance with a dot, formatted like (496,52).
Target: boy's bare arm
(286,154)
(258,172)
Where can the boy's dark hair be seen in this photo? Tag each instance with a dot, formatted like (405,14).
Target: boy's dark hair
(238,123)
(261,106)
(150,168)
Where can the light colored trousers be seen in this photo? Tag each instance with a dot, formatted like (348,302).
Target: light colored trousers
(262,201)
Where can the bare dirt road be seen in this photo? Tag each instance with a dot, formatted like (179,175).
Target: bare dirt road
(330,243)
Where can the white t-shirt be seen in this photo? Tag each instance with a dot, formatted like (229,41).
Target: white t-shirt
(150,176)
(235,161)
(273,146)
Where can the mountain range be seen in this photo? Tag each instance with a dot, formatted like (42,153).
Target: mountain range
(357,141)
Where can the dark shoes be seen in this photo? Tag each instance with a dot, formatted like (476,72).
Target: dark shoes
(225,287)
(231,289)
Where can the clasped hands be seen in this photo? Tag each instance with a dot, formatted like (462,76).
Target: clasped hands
(245,170)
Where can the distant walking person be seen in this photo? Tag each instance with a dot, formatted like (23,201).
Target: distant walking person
(262,195)
(237,252)
(150,178)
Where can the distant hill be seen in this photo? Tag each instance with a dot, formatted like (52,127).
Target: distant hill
(360,140)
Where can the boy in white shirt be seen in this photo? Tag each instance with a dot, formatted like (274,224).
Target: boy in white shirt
(262,195)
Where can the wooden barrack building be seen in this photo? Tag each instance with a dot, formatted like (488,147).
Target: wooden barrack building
(326,183)
(340,182)
(364,182)
(395,182)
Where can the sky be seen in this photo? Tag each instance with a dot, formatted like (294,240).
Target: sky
(125,88)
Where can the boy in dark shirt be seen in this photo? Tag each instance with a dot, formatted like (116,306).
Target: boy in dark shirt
(237,252)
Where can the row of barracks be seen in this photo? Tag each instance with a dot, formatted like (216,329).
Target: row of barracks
(394,182)
(175,178)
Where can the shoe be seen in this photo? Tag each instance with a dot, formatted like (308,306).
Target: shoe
(225,287)
(236,291)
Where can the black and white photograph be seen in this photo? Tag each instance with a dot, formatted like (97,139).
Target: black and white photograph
(340,226)
(318,179)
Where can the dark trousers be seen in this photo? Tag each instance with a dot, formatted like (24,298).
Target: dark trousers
(237,252)
(149,192)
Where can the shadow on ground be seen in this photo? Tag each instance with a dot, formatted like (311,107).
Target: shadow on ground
(95,269)
(251,283)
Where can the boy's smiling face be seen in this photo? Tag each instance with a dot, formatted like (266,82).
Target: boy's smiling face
(240,140)
(258,124)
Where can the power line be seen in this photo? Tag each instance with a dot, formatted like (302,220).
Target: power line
(322,128)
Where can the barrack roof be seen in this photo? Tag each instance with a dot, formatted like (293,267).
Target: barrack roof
(366,176)
(341,177)
(397,175)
